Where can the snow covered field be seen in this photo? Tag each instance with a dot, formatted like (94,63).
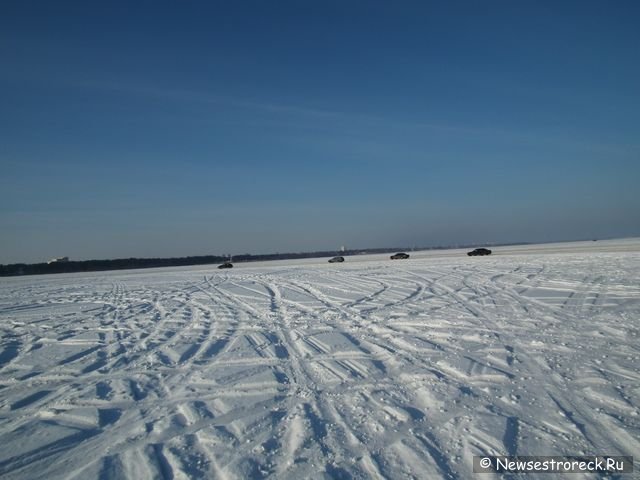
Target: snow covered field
(301,369)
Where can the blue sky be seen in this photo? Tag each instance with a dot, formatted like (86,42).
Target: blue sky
(171,129)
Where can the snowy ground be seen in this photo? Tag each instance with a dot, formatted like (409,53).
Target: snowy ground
(301,369)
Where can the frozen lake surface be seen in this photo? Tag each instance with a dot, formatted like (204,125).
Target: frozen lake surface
(303,369)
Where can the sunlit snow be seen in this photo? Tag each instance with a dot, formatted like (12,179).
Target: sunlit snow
(303,369)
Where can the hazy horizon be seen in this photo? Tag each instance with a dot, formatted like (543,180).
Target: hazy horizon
(150,131)
(338,250)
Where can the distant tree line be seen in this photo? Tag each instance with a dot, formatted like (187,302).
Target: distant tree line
(131,263)
(98,265)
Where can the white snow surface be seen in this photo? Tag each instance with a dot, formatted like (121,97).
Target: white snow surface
(303,369)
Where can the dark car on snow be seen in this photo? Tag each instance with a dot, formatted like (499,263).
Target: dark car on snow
(479,252)
(226,265)
(336,260)
(400,256)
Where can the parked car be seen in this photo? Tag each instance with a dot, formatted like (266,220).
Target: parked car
(479,251)
(336,260)
(400,256)
(226,265)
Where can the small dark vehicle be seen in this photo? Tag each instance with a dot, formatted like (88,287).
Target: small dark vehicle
(479,252)
(226,265)
(400,256)
(336,260)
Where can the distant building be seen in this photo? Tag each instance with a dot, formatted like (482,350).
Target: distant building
(58,260)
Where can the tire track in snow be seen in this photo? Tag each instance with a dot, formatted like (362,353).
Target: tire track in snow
(268,382)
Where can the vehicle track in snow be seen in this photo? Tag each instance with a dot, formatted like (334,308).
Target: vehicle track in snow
(374,371)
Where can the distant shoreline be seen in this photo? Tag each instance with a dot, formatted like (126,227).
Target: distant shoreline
(21,269)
